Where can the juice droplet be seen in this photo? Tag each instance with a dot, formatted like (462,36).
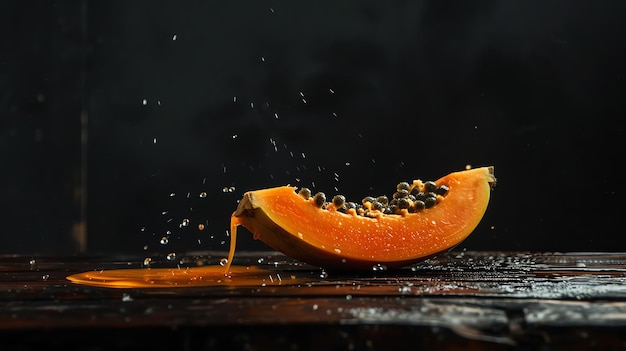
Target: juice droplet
(223,262)
(379,268)
(171,256)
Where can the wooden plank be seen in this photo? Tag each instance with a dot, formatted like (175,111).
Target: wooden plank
(492,297)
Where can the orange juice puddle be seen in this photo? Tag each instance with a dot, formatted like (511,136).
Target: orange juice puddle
(227,275)
(181,277)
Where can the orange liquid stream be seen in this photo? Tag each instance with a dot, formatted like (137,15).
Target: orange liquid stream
(227,275)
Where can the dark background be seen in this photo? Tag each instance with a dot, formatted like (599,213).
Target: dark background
(115,115)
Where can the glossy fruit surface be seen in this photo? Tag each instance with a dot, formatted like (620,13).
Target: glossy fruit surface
(328,237)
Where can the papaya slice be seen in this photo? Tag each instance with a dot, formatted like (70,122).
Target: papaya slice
(421,220)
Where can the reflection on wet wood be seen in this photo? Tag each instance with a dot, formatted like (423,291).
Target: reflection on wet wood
(501,298)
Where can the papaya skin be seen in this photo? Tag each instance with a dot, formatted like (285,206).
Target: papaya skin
(295,226)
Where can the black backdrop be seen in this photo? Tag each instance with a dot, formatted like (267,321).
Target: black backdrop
(117,116)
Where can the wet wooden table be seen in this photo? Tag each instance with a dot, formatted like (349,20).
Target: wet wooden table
(475,300)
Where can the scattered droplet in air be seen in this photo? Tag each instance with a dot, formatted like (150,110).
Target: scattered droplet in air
(147,261)
(262,59)
(154,141)
(228,189)
(185,222)
(331,91)
(223,262)
(164,240)
(174,37)
(171,256)
(276,115)
(172,194)
(45,276)
(203,194)
(200,226)
(379,267)
(234,136)
(144,102)
(323,274)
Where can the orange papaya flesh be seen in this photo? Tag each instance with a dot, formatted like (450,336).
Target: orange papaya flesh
(323,236)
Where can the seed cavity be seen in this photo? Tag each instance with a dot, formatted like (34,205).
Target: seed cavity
(408,198)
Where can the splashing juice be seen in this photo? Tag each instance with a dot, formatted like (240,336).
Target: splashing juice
(224,274)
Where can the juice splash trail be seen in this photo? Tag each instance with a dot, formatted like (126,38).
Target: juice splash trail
(234,222)
(227,275)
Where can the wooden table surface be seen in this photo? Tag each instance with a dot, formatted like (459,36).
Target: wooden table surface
(476,300)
